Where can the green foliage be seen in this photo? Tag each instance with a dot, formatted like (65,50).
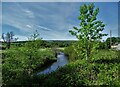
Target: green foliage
(34,44)
(103,45)
(114,40)
(77,50)
(82,73)
(72,55)
(41,43)
(90,28)
(20,64)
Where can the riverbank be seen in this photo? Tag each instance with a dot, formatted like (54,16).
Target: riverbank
(102,70)
(20,64)
(61,61)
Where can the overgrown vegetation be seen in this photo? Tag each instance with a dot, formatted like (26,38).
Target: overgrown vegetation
(19,65)
(102,70)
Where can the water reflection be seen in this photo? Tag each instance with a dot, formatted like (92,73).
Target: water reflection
(61,61)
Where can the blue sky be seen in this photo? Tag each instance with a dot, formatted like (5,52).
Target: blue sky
(53,20)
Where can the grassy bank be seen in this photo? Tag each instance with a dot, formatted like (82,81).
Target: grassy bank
(20,64)
(102,70)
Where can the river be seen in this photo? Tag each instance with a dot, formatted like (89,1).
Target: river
(61,61)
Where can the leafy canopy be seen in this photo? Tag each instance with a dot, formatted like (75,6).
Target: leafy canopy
(90,27)
(90,30)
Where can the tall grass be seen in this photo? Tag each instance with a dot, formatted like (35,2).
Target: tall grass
(102,70)
(20,64)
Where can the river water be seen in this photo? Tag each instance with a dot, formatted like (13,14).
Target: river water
(61,61)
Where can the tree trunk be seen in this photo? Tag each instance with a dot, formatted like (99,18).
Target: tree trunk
(8,45)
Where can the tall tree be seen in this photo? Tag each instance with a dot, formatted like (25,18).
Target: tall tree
(3,37)
(8,38)
(34,36)
(90,28)
(34,40)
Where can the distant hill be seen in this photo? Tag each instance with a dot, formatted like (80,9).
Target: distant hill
(46,41)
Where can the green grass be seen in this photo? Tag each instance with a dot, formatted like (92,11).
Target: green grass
(86,73)
(21,64)
(103,69)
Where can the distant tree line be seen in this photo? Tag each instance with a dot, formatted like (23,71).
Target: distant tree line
(9,40)
(109,41)
(44,43)
(114,40)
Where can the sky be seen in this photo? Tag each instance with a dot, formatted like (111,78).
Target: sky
(60,0)
(52,20)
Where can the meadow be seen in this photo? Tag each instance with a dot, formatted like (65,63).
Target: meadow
(102,70)
(20,64)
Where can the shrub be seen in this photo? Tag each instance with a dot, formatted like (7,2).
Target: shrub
(82,73)
(19,65)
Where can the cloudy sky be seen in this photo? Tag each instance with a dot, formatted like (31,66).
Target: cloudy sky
(52,20)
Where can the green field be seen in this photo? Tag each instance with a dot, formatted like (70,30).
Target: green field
(19,66)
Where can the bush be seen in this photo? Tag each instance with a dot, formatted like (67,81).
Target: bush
(72,55)
(86,73)
(19,65)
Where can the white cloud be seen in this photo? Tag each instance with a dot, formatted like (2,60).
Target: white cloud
(29,13)
(28,26)
(52,20)
(44,28)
